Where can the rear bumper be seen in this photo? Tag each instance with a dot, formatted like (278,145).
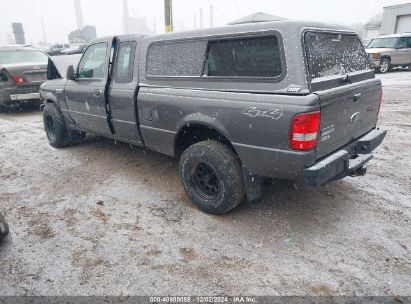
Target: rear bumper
(18,94)
(344,162)
(25,96)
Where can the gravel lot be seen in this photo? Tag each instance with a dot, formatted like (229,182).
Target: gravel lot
(110,219)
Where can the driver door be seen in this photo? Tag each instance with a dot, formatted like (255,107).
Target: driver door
(85,95)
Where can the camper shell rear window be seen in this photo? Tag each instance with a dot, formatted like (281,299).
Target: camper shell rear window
(334,54)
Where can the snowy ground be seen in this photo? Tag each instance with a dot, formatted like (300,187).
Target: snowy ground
(108,219)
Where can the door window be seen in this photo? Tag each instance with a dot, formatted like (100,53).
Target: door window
(409,42)
(402,43)
(94,63)
(124,67)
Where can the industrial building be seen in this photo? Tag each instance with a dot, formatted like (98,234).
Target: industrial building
(394,19)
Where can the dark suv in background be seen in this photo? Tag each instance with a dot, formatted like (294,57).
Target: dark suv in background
(22,71)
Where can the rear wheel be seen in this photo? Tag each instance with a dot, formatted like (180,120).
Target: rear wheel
(212,177)
(385,65)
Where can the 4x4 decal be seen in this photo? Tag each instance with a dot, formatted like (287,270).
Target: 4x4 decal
(272,113)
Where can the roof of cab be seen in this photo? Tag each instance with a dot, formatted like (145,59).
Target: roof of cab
(122,37)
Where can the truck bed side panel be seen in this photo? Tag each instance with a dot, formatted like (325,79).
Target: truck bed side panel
(256,124)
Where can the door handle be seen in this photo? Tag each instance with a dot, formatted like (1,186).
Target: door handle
(97,92)
(357,97)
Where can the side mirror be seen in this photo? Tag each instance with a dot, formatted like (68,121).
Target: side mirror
(71,74)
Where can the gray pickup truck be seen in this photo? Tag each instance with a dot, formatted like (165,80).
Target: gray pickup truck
(236,104)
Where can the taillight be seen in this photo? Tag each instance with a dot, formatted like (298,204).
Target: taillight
(17,79)
(304,131)
(379,105)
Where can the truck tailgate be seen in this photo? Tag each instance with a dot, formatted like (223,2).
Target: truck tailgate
(347,112)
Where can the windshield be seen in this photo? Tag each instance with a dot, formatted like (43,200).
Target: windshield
(332,54)
(10,57)
(382,43)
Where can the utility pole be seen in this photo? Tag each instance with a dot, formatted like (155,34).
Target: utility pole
(168,14)
(201,17)
(211,16)
(79,14)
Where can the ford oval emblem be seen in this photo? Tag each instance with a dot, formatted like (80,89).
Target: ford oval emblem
(355,117)
(36,67)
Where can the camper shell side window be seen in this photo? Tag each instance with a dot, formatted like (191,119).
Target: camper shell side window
(250,58)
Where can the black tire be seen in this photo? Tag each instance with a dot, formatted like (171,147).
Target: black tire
(4,108)
(385,66)
(212,178)
(55,126)
(4,228)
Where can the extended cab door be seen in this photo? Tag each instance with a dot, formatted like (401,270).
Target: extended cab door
(85,95)
(123,92)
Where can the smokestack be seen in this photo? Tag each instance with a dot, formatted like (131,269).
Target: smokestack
(201,18)
(195,20)
(211,16)
(44,31)
(126,18)
(79,14)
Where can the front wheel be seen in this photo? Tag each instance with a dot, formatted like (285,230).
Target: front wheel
(58,134)
(385,66)
(212,177)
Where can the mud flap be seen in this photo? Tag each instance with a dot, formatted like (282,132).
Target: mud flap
(253,185)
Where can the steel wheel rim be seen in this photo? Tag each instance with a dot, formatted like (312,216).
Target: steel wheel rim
(205,181)
(50,126)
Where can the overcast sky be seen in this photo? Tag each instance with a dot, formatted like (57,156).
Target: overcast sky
(59,18)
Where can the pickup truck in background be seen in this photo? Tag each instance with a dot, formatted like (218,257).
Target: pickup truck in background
(237,104)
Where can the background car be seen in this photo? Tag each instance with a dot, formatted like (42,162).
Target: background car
(386,52)
(22,71)
(75,49)
(55,49)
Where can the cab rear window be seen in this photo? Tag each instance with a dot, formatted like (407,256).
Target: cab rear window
(331,54)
